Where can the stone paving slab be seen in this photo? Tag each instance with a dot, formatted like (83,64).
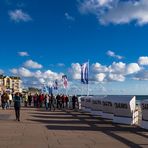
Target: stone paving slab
(66,129)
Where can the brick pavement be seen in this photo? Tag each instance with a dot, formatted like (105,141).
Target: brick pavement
(66,129)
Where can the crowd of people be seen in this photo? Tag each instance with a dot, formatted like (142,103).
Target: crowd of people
(6,99)
(50,101)
(41,100)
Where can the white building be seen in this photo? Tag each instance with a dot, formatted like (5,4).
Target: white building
(10,83)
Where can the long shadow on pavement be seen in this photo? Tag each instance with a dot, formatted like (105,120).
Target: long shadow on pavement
(79,121)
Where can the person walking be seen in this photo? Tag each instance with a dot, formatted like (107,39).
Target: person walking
(4,100)
(67,101)
(30,99)
(52,101)
(74,100)
(17,105)
(10,99)
(58,101)
(47,98)
(35,100)
(63,100)
(25,98)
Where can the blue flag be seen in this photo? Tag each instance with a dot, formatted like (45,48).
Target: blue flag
(84,73)
(55,86)
(45,89)
(50,90)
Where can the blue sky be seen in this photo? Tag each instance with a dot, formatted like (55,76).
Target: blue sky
(44,39)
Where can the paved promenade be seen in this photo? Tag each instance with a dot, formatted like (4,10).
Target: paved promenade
(66,129)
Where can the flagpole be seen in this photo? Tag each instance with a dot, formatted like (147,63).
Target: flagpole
(87,89)
(65,91)
(81,89)
(88,81)
(81,82)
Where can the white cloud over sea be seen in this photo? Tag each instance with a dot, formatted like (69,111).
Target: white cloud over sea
(117,71)
(100,76)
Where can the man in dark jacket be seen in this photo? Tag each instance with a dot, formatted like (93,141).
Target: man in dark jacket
(17,105)
(74,100)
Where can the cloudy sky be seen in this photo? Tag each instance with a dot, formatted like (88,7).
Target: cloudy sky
(40,40)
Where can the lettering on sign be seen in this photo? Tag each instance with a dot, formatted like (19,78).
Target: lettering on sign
(87,100)
(94,102)
(107,103)
(99,102)
(82,99)
(144,106)
(121,105)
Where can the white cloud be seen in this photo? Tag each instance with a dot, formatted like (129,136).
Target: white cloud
(18,15)
(39,77)
(47,76)
(76,71)
(23,72)
(116,77)
(97,67)
(50,75)
(23,53)
(38,74)
(142,75)
(100,77)
(143,60)
(127,12)
(97,74)
(112,54)
(118,68)
(32,64)
(100,73)
(69,17)
(116,11)
(61,64)
(93,6)
(42,81)
(14,71)
(122,68)
(132,68)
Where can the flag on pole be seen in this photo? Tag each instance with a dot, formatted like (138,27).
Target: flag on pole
(84,72)
(45,89)
(65,81)
(50,90)
(55,85)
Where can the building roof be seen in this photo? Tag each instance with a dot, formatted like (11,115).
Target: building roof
(15,77)
(1,76)
(12,77)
